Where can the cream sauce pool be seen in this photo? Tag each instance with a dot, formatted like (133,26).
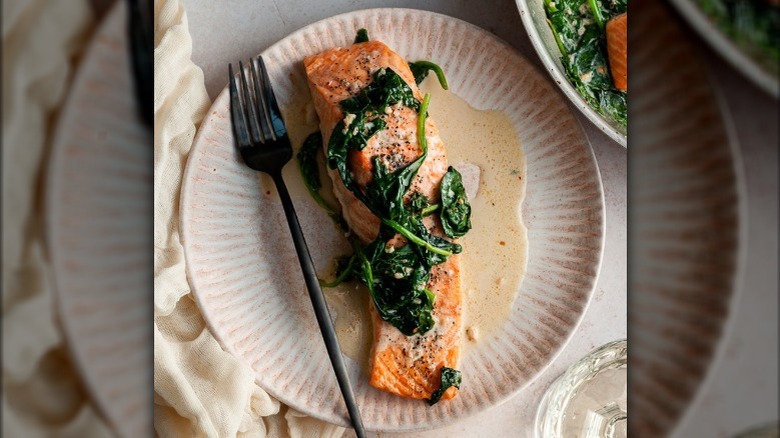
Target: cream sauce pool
(484,147)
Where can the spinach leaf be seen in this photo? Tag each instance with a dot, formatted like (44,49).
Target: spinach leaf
(389,188)
(614,104)
(361,37)
(420,70)
(355,135)
(449,378)
(596,11)
(589,65)
(419,204)
(456,210)
(346,270)
(431,244)
(753,25)
(307,163)
(436,249)
(387,88)
(396,279)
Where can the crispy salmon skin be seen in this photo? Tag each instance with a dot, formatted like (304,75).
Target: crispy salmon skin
(408,366)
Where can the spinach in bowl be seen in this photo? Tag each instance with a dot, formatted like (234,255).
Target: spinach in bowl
(579,30)
(754,25)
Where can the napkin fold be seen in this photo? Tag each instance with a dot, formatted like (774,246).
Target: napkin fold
(42,393)
(200,390)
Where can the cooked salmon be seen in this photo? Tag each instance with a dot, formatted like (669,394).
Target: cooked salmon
(617,50)
(409,366)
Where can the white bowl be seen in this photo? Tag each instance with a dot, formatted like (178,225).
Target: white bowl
(534,20)
(727,48)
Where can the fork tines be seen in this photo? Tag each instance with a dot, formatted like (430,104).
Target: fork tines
(254,109)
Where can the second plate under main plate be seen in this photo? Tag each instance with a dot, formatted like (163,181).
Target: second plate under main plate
(242,266)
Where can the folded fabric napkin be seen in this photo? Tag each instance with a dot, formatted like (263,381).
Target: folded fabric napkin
(200,390)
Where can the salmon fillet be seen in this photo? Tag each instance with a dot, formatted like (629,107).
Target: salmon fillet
(617,50)
(408,366)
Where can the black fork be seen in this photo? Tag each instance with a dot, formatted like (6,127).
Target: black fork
(140,34)
(262,140)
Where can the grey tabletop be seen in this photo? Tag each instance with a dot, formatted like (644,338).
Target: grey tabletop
(226,34)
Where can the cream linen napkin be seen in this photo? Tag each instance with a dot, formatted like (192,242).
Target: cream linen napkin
(42,394)
(200,390)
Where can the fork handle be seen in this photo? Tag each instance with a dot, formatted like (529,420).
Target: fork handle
(319,304)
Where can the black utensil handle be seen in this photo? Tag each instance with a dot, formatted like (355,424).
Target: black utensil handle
(141,37)
(320,306)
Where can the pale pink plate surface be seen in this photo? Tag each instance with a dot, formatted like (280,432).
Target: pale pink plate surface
(99,230)
(242,266)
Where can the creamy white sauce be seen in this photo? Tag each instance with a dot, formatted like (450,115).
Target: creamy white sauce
(350,302)
(300,119)
(484,147)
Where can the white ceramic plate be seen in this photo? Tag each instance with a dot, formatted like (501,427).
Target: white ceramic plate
(534,20)
(98,201)
(687,223)
(726,46)
(242,266)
